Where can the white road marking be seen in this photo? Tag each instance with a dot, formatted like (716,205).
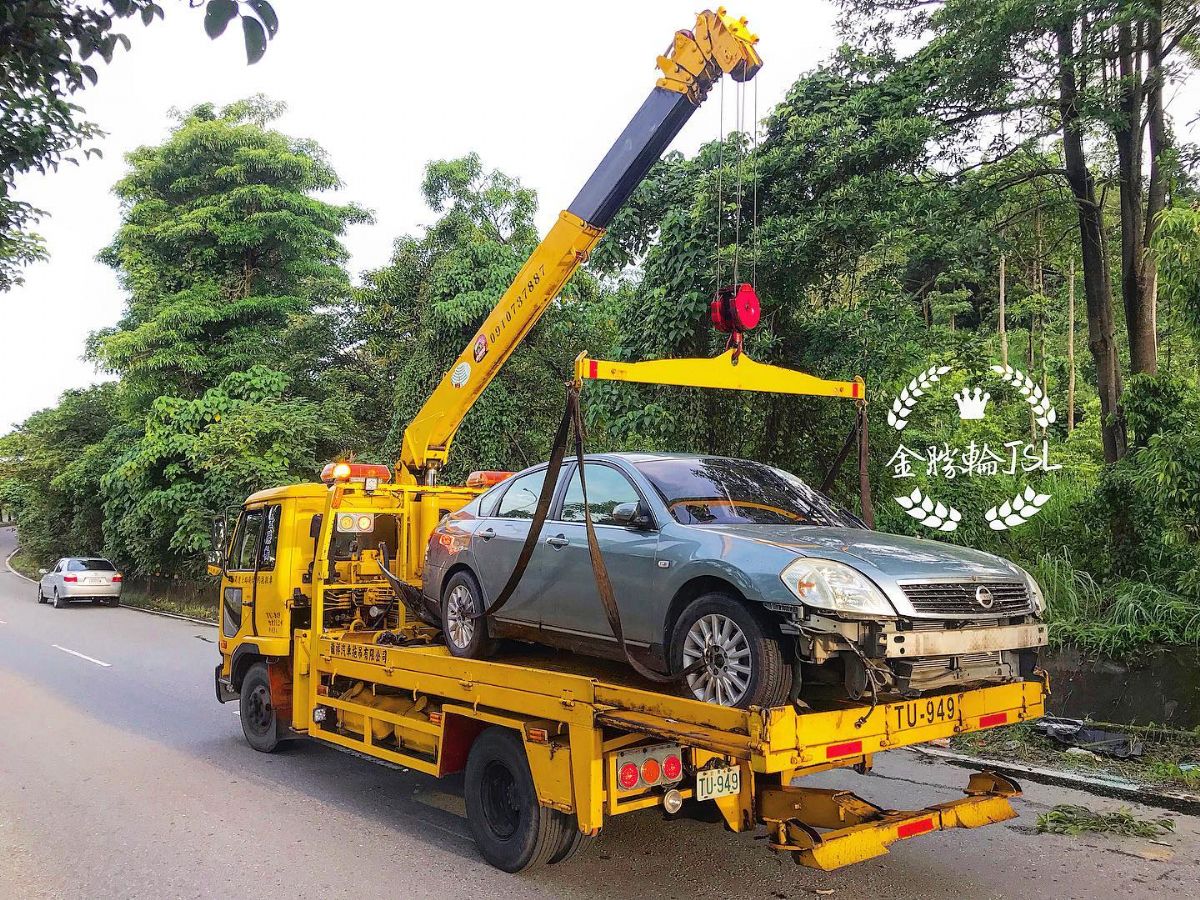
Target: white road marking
(82,656)
(2,622)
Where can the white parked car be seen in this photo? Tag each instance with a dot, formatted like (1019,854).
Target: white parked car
(80,578)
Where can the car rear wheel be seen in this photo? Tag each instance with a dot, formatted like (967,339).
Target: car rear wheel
(59,602)
(740,662)
(41,596)
(465,635)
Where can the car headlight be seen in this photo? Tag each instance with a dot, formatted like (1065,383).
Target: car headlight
(826,584)
(1036,597)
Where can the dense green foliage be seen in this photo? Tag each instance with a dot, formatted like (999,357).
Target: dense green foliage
(45,48)
(876,209)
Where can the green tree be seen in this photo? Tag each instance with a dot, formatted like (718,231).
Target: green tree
(228,258)
(200,456)
(45,46)
(415,315)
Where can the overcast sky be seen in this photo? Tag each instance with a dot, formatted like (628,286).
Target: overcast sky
(540,90)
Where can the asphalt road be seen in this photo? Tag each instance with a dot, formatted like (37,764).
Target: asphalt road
(120,776)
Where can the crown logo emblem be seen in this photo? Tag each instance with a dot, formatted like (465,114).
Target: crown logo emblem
(971,405)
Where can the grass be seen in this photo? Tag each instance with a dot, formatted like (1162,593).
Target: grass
(1070,819)
(1166,753)
(1116,619)
(25,564)
(182,603)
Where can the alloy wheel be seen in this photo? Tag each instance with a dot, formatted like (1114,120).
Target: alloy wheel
(460,616)
(721,644)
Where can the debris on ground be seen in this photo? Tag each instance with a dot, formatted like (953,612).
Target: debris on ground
(1080,753)
(1170,758)
(1078,734)
(1073,820)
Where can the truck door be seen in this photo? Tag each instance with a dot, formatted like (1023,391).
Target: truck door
(571,602)
(239,587)
(496,544)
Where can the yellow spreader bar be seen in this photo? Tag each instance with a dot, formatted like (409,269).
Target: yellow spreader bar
(724,371)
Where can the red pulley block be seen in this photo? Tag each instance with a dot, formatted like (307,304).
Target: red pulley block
(735,310)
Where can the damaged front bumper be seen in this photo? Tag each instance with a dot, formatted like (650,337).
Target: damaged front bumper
(919,655)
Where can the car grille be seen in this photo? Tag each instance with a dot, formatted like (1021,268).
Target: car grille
(958,598)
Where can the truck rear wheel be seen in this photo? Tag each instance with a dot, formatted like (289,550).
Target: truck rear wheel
(260,722)
(513,831)
(573,841)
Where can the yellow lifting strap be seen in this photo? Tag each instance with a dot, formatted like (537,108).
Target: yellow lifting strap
(731,370)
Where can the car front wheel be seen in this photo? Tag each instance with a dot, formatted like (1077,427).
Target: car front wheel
(738,661)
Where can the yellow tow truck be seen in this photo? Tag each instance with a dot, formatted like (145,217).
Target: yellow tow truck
(323,634)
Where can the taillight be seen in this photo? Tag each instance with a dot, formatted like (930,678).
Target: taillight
(628,776)
(651,771)
(117,578)
(672,768)
(71,578)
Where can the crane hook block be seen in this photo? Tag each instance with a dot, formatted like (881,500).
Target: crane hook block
(735,309)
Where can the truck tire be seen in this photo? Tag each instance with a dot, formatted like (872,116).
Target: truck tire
(573,841)
(260,722)
(746,665)
(465,637)
(513,831)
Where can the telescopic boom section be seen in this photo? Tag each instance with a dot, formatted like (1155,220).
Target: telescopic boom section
(696,60)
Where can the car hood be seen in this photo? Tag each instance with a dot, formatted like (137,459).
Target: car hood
(892,555)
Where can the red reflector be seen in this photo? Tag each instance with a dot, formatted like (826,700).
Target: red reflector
(71,578)
(116,579)
(672,768)
(834,750)
(628,776)
(993,719)
(908,829)
(854,390)
(593,369)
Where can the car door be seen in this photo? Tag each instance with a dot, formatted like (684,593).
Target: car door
(497,543)
(51,579)
(573,603)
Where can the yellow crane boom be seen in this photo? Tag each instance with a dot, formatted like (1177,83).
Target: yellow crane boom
(697,59)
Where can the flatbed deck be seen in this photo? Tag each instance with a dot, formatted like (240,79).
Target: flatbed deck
(579,719)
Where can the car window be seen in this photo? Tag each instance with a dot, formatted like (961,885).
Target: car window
(270,540)
(96,565)
(720,491)
(58,567)
(245,541)
(607,489)
(76,565)
(520,500)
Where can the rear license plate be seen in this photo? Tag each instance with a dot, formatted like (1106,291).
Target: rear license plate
(930,711)
(93,581)
(722,782)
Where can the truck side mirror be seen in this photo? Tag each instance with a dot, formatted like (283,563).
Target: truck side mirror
(632,515)
(220,540)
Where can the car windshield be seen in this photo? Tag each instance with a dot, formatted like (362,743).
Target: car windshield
(718,491)
(95,565)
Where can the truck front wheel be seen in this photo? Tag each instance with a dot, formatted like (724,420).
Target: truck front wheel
(514,832)
(260,723)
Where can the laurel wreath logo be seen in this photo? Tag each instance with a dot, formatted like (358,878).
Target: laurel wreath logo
(929,512)
(1017,511)
(903,405)
(1043,410)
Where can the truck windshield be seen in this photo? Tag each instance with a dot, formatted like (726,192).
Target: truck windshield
(714,490)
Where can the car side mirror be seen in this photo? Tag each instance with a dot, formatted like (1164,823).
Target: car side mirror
(43,571)
(632,515)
